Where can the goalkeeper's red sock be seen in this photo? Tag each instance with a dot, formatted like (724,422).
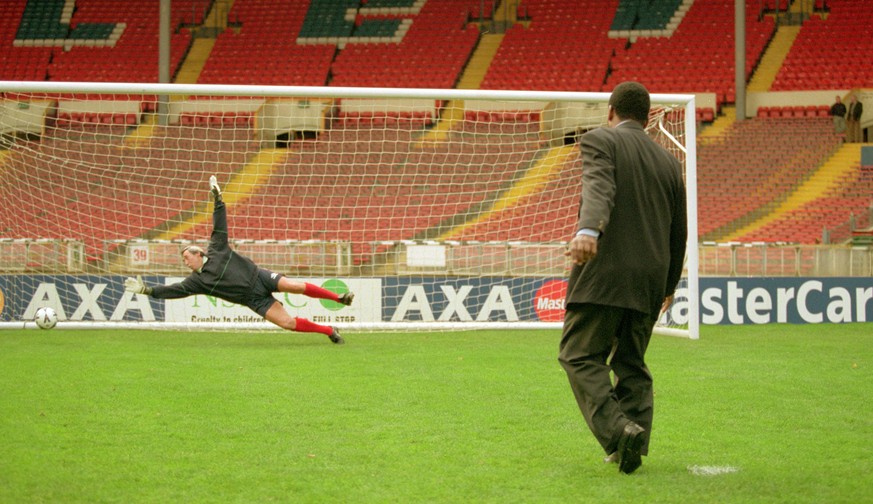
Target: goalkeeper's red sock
(315,291)
(304,325)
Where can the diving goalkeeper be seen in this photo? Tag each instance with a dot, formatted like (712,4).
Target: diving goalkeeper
(221,272)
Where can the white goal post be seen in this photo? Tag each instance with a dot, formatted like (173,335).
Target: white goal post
(441,209)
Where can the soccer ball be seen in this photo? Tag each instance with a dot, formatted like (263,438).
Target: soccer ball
(46,318)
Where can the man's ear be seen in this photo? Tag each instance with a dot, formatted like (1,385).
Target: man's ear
(610,114)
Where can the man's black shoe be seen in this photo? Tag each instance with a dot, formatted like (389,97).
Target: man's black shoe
(336,338)
(629,445)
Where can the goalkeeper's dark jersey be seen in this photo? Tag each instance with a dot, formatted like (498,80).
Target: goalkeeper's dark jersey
(226,274)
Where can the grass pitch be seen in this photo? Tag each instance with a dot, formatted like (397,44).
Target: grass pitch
(774,413)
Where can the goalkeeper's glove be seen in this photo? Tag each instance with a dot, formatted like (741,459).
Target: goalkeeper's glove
(213,186)
(137,286)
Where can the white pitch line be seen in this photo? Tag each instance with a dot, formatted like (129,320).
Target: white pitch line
(698,470)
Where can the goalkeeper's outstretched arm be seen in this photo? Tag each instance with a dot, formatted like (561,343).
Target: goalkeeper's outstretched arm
(137,286)
(174,291)
(193,256)
(219,237)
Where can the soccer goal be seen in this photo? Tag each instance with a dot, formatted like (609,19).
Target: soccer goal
(440,209)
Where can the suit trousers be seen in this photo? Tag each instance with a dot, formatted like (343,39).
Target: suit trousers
(839,125)
(853,131)
(598,339)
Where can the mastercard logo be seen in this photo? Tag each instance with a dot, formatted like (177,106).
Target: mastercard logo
(549,300)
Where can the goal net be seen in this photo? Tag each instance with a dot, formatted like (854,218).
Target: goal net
(440,209)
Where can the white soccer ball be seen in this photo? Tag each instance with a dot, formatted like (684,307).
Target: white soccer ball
(46,318)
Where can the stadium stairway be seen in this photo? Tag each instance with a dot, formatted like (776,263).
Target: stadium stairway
(478,65)
(826,178)
(255,173)
(201,47)
(471,78)
(142,135)
(193,64)
(773,58)
(189,72)
(715,130)
(542,170)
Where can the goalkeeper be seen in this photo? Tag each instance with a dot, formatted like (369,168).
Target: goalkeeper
(221,272)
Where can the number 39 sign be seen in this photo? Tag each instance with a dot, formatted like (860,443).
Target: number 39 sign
(139,255)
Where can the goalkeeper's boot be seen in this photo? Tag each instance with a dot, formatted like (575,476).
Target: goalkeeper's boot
(336,338)
(213,187)
(347,298)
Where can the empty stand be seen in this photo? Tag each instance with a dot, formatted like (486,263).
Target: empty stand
(126,192)
(754,165)
(431,54)
(698,56)
(264,50)
(45,41)
(401,192)
(134,58)
(853,196)
(565,48)
(828,52)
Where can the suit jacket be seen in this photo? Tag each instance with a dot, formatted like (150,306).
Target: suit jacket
(855,111)
(633,192)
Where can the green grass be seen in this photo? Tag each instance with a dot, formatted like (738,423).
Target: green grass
(143,416)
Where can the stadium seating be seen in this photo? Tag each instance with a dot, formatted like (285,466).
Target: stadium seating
(565,48)
(40,45)
(338,174)
(134,58)
(699,55)
(755,164)
(412,62)
(157,185)
(263,50)
(851,197)
(826,53)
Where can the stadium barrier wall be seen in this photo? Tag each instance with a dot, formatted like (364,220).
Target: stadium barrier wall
(399,301)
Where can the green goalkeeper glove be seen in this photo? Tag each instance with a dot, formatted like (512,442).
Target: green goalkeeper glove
(137,286)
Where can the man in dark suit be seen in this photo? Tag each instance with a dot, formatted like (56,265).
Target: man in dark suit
(627,255)
(838,112)
(853,121)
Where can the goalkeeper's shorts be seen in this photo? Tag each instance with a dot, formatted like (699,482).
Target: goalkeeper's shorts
(261,298)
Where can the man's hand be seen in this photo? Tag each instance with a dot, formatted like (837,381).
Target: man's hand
(667,302)
(213,186)
(582,249)
(137,286)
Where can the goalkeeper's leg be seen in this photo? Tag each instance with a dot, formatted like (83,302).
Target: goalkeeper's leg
(277,315)
(310,290)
